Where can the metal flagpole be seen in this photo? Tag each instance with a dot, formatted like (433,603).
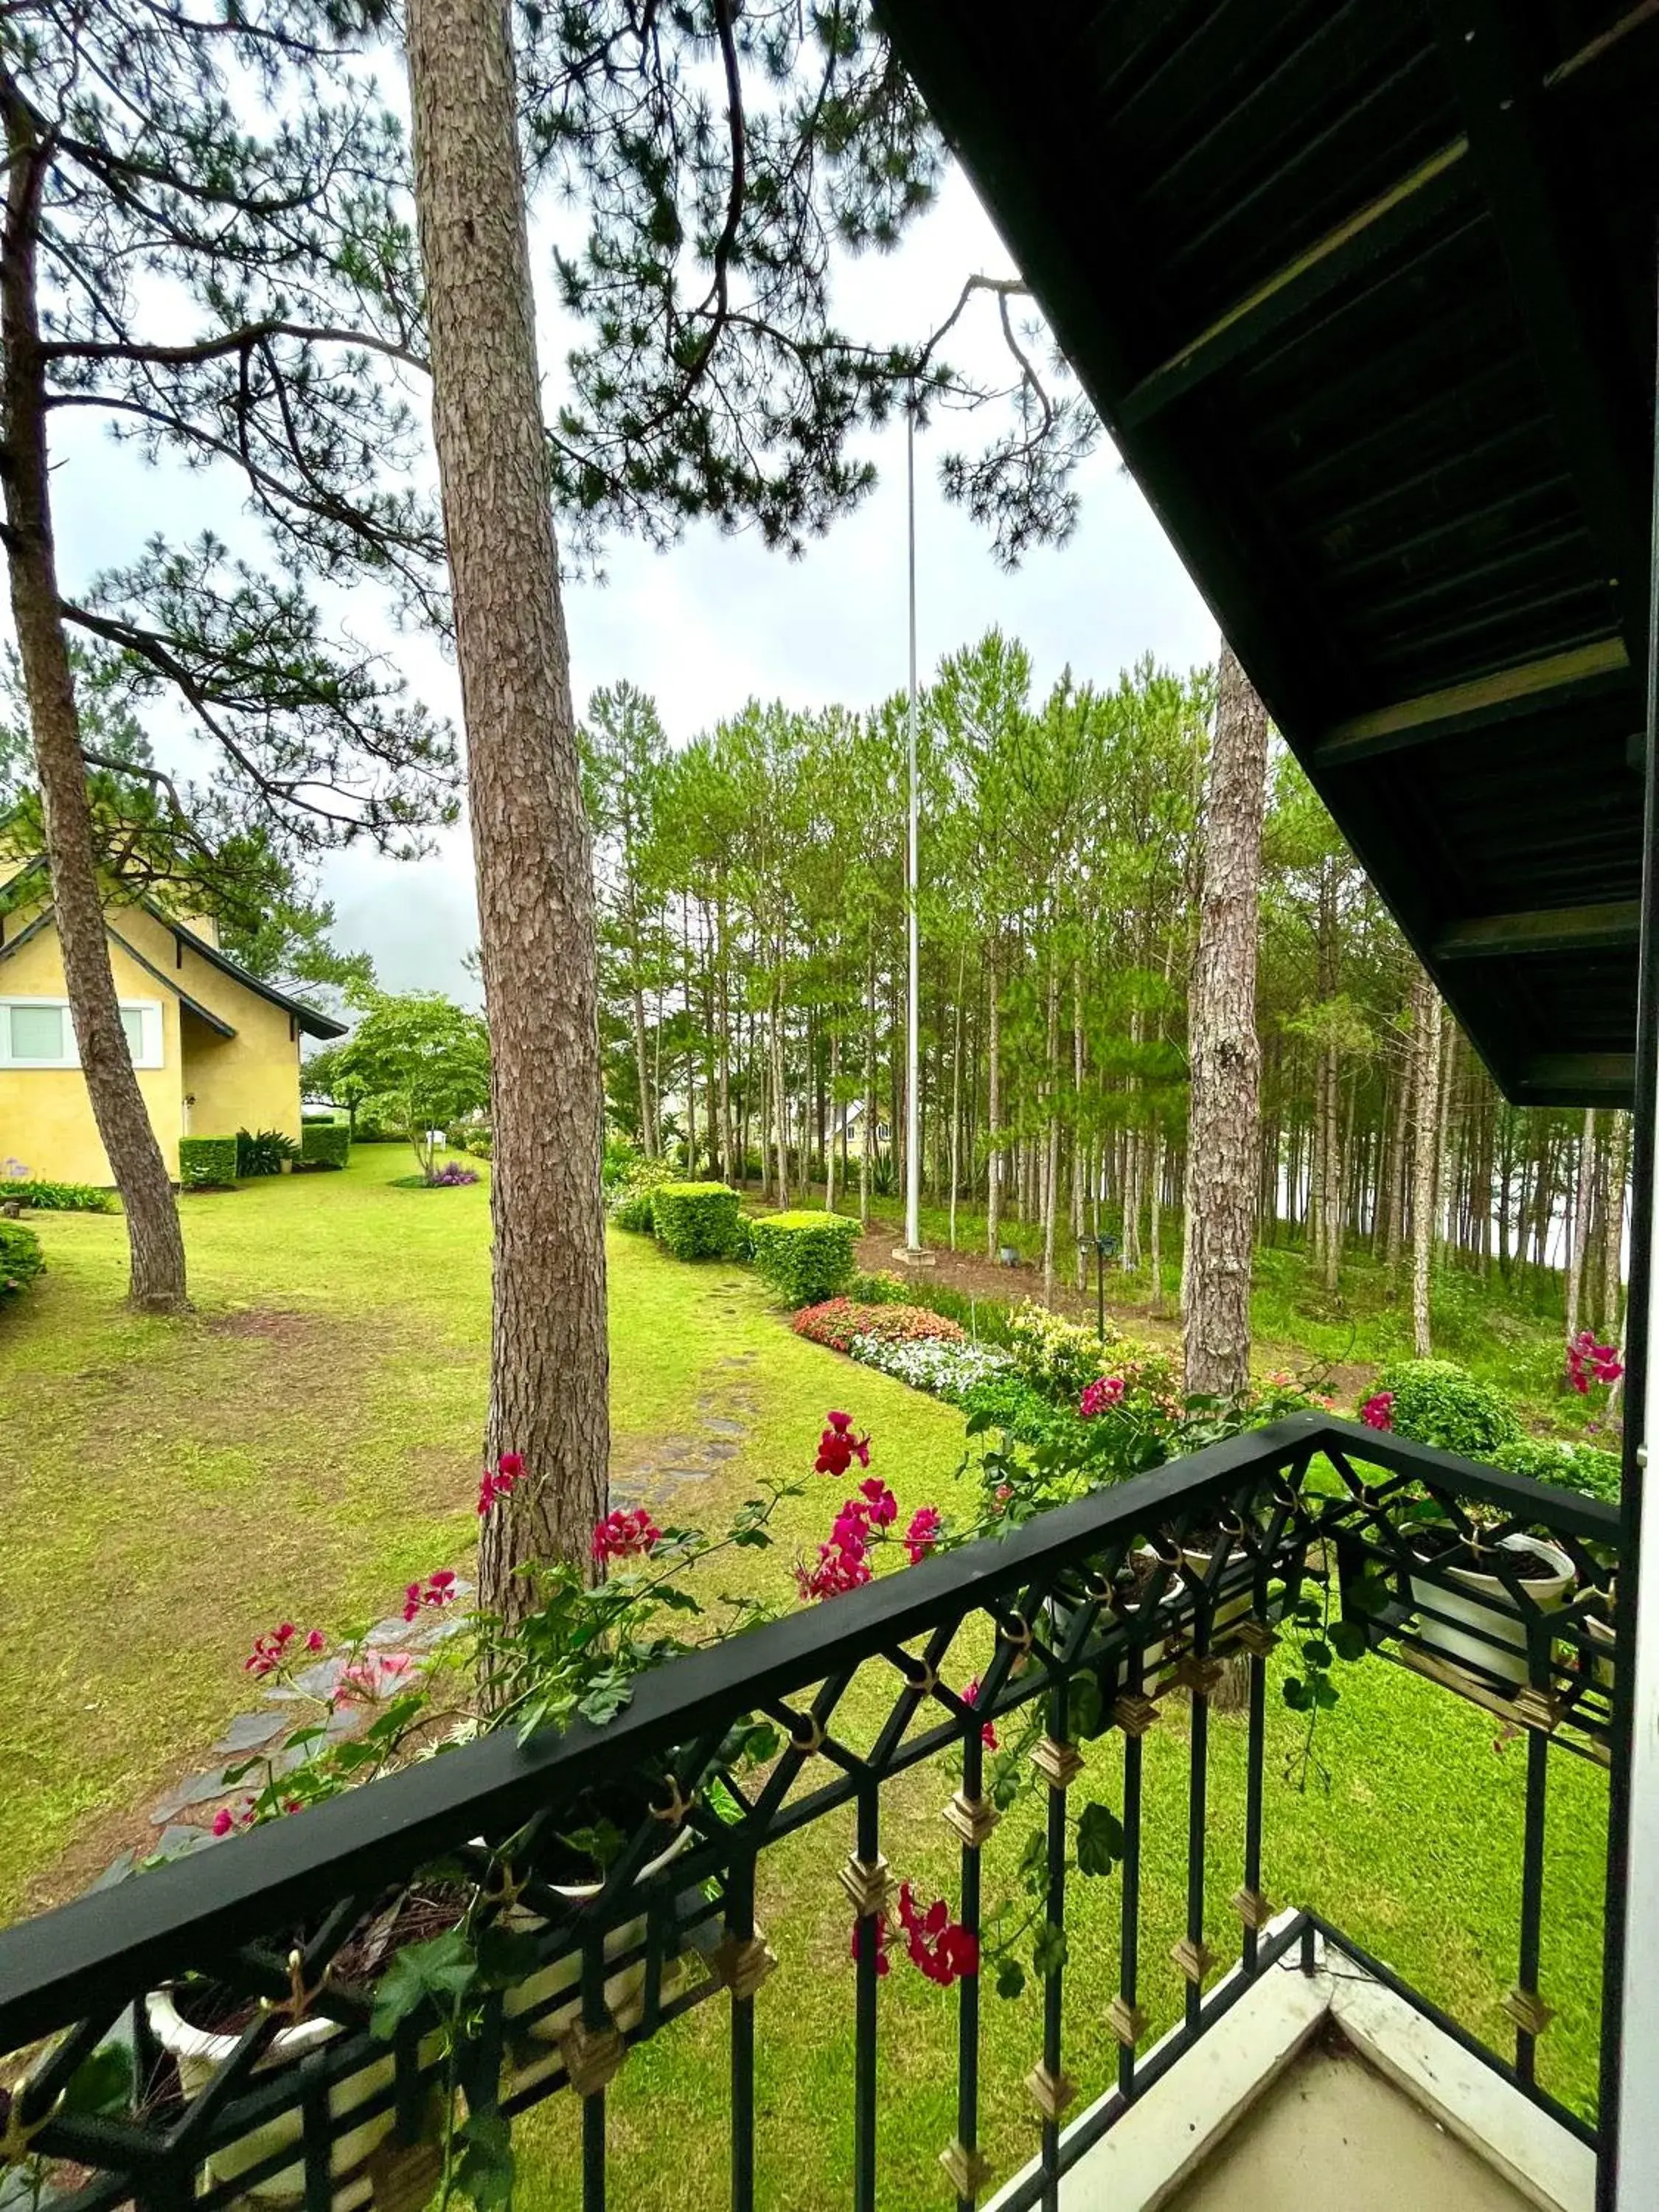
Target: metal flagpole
(912,1088)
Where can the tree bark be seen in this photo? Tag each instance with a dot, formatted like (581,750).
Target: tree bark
(548,1353)
(1581,1211)
(1425,1110)
(1223,1135)
(155,1244)
(994,1115)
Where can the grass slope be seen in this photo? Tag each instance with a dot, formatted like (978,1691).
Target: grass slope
(308,1444)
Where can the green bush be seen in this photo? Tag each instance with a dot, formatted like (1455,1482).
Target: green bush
(205,1162)
(622,1157)
(57,1197)
(319,1121)
(629,1202)
(326,1145)
(264,1152)
(1060,1356)
(806,1257)
(1024,1414)
(21,1258)
(1437,1402)
(696,1220)
(1582,1467)
(884,1288)
(481,1145)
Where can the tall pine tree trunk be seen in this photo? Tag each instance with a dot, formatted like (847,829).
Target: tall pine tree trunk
(1425,1112)
(1222,1132)
(549,1357)
(1581,1222)
(155,1244)
(994,1115)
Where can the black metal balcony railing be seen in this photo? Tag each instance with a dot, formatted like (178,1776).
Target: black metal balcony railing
(1103,1591)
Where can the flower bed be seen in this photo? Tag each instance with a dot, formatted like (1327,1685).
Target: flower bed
(843,1322)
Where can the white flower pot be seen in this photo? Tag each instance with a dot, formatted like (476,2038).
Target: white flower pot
(199,2053)
(1490,1609)
(624,1991)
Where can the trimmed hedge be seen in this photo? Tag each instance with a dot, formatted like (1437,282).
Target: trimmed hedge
(206,1161)
(1584,1467)
(57,1197)
(696,1220)
(21,1258)
(807,1257)
(1437,1402)
(326,1144)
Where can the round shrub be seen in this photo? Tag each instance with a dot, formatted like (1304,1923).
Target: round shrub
(1437,1402)
(1060,1356)
(21,1259)
(696,1220)
(806,1257)
(1583,1468)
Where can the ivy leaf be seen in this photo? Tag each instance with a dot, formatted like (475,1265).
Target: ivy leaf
(1011,1976)
(1100,1840)
(1369,1595)
(1084,1709)
(1297,1695)
(439,1971)
(1049,1948)
(1317,1652)
(486,2170)
(506,1956)
(1349,1639)
(1324,1693)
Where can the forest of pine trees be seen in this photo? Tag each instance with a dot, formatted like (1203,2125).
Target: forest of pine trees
(752,910)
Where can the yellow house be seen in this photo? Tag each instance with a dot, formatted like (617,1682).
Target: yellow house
(214,1050)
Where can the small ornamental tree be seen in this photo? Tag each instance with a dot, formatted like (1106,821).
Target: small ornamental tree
(423,1062)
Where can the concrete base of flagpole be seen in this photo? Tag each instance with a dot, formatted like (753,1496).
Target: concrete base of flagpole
(908,1257)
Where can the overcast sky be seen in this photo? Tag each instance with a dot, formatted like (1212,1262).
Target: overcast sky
(715,620)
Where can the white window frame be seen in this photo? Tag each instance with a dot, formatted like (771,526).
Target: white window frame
(151,1032)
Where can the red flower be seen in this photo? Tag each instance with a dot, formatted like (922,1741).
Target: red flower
(316,1640)
(923,1532)
(1377,1412)
(1589,1361)
(1107,1391)
(270,1652)
(941,1948)
(987,1734)
(225,1820)
(883,1505)
(837,1572)
(624,1535)
(438,1589)
(499,1481)
(838,1447)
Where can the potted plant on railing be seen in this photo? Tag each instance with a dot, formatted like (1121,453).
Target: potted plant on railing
(578,1651)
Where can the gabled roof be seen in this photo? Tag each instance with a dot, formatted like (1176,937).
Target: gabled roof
(1364,291)
(313,1022)
(308,1017)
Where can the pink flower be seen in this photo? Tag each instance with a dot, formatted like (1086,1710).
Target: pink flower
(315,1640)
(368,1680)
(1589,1361)
(884,1506)
(498,1484)
(624,1535)
(837,1572)
(225,1819)
(838,1447)
(1377,1412)
(269,1651)
(987,1734)
(1100,1396)
(923,1532)
(941,1948)
(438,1589)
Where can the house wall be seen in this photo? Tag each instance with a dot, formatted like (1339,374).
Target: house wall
(45,1115)
(249,1081)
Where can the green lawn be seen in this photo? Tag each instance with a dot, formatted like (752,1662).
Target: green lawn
(308,1444)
